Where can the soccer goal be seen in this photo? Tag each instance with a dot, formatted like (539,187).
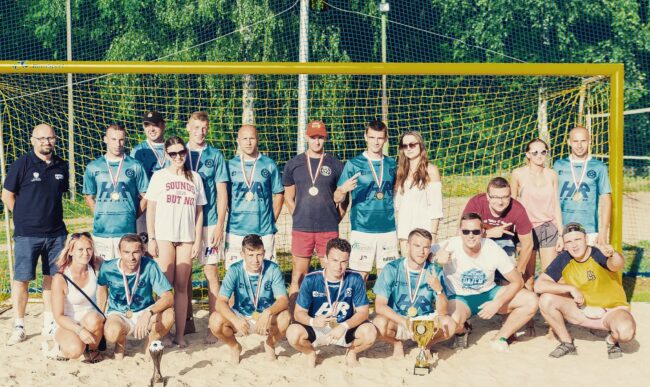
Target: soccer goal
(475,118)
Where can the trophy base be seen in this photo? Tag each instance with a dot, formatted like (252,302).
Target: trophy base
(421,370)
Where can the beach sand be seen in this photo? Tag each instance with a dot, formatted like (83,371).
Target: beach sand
(527,363)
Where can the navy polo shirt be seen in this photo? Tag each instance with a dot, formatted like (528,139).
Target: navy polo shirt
(39,189)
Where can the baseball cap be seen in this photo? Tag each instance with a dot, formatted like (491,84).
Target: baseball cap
(153,117)
(573,226)
(316,128)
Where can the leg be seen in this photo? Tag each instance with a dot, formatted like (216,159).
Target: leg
(558,309)
(547,255)
(279,325)
(70,345)
(298,338)
(115,331)
(529,273)
(161,324)
(211,272)
(19,298)
(521,309)
(189,318)
(621,324)
(167,259)
(387,331)
(225,332)
(49,254)
(181,279)
(93,323)
(364,338)
(299,270)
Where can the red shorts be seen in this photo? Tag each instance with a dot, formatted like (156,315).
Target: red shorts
(303,244)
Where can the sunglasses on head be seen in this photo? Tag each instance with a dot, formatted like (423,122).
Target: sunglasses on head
(181,153)
(410,145)
(477,231)
(543,152)
(78,235)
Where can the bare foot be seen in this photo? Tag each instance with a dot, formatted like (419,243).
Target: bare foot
(235,353)
(351,359)
(270,351)
(180,342)
(119,351)
(311,359)
(398,350)
(209,338)
(167,341)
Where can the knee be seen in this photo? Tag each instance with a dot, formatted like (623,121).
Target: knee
(283,320)
(381,323)
(367,332)
(112,330)
(546,302)
(94,322)
(295,333)
(211,273)
(530,302)
(625,330)
(167,317)
(215,322)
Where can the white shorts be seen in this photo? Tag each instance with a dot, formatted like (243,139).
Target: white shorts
(592,238)
(232,248)
(131,322)
(252,324)
(404,334)
(321,338)
(210,255)
(141,223)
(370,247)
(106,248)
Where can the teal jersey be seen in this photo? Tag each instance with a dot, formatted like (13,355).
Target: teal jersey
(212,167)
(594,184)
(152,280)
(244,286)
(368,213)
(255,216)
(146,155)
(392,285)
(114,218)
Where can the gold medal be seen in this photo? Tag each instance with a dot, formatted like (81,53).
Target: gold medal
(577,196)
(333,324)
(313,191)
(255,316)
(412,311)
(128,314)
(379,196)
(249,196)
(115,196)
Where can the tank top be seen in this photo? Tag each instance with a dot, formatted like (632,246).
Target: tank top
(74,301)
(416,207)
(539,201)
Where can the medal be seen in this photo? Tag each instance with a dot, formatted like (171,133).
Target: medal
(255,316)
(255,296)
(160,159)
(129,295)
(577,196)
(333,305)
(378,179)
(198,160)
(313,191)
(412,311)
(128,314)
(577,183)
(333,324)
(115,196)
(248,181)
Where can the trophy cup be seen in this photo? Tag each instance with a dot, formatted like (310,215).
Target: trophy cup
(156,351)
(423,332)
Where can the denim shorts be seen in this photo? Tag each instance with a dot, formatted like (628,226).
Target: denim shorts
(26,253)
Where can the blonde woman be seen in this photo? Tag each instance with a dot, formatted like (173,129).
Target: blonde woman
(80,325)
(418,191)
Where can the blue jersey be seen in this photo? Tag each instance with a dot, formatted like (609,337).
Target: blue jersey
(114,218)
(368,213)
(255,216)
(147,157)
(392,285)
(212,168)
(595,184)
(244,286)
(313,297)
(152,280)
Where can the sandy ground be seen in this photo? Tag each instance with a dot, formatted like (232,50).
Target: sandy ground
(199,365)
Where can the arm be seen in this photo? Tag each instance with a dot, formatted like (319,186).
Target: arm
(615,260)
(290,198)
(559,246)
(9,199)
(102,296)
(604,215)
(278,199)
(546,284)
(143,205)
(90,201)
(59,287)
(526,241)
(224,310)
(516,283)
(222,207)
(382,308)
(151,230)
(342,207)
(144,324)
(164,302)
(198,231)
(514,184)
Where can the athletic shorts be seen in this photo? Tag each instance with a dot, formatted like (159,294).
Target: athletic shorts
(106,248)
(28,249)
(368,248)
(545,236)
(210,255)
(252,324)
(130,322)
(232,248)
(403,334)
(316,335)
(597,323)
(303,243)
(475,301)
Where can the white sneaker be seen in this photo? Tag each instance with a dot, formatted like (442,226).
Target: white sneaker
(500,345)
(17,335)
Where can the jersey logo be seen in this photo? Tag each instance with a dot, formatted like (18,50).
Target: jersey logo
(591,276)
(209,163)
(106,189)
(568,189)
(36,177)
(325,170)
(473,279)
(422,303)
(591,174)
(325,310)
(267,285)
(265,173)
(129,173)
(58,176)
(317,294)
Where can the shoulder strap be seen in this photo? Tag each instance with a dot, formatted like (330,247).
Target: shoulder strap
(84,294)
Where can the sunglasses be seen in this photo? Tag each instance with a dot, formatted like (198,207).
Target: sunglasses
(543,153)
(78,235)
(410,145)
(181,153)
(473,232)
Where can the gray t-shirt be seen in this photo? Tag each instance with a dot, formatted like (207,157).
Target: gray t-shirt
(314,213)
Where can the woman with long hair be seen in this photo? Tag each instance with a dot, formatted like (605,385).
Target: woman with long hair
(535,186)
(418,190)
(80,326)
(175,200)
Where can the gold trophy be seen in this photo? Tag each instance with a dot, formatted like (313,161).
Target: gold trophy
(423,332)
(156,351)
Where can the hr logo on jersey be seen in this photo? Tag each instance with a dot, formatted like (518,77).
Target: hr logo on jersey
(473,279)
(568,190)
(421,303)
(341,308)
(240,189)
(106,189)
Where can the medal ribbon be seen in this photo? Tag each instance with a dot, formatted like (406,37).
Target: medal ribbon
(378,180)
(582,174)
(320,163)
(249,182)
(129,297)
(255,296)
(160,160)
(412,296)
(334,304)
(115,179)
(189,156)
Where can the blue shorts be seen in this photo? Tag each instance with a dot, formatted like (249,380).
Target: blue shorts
(28,249)
(474,301)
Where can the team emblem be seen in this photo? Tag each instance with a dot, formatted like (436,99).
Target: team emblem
(591,174)
(265,173)
(325,170)
(129,173)
(209,163)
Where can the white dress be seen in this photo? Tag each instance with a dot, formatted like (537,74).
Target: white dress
(415,208)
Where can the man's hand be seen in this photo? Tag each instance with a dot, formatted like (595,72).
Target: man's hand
(321,321)
(152,248)
(577,296)
(241,325)
(601,239)
(350,184)
(434,282)
(141,329)
(606,249)
(263,324)
(196,248)
(497,232)
(489,309)
(336,333)
(443,256)
(217,237)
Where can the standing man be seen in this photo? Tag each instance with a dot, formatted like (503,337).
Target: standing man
(309,181)
(114,185)
(369,178)
(256,196)
(585,191)
(210,164)
(151,152)
(33,191)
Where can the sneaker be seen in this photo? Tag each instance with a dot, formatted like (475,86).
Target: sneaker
(461,340)
(17,335)
(500,344)
(614,351)
(564,349)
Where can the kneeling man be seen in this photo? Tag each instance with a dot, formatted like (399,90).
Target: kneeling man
(129,283)
(408,289)
(332,308)
(260,301)
(469,262)
(582,286)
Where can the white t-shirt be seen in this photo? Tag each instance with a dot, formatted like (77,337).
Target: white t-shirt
(465,275)
(176,200)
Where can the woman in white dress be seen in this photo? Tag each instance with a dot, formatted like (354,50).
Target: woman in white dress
(175,200)
(418,191)
(80,326)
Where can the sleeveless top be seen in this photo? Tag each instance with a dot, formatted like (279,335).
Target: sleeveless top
(74,301)
(539,201)
(417,207)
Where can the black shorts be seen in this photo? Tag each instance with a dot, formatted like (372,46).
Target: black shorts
(311,335)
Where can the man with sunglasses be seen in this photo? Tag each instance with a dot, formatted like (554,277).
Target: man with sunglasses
(33,192)
(113,187)
(582,286)
(469,263)
(585,191)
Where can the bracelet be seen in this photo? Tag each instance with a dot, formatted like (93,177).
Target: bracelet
(311,321)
